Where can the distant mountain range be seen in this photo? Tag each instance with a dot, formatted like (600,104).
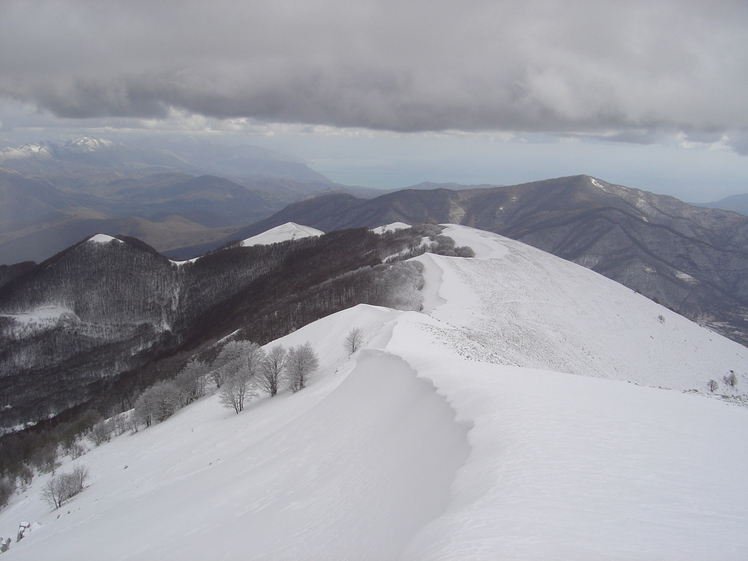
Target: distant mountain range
(735,203)
(168,210)
(70,162)
(170,193)
(691,259)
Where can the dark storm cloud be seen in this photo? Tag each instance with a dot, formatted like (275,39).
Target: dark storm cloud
(578,66)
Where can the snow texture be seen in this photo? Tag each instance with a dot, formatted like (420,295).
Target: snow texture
(282,233)
(44,315)
(103,238)
(23,152)
(394,227)
(88,144)
(519,418)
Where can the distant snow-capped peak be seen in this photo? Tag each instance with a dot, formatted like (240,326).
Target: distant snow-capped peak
(88,144)
(34,150)
(46,150)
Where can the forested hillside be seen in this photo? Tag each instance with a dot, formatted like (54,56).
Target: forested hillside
(84,323)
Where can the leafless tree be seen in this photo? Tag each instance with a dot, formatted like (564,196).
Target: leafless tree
(227,361)
(65,486)
(191,381)
(101,432)
(75,450)
(301,363)
(240,385)
(272,370)
(353,340)
(157,403)
(52,493)
(712,385)
(731,379)
(45,458)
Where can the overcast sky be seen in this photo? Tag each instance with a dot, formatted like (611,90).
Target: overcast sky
(651,94)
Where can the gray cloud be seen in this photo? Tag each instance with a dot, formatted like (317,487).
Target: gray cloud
(738,141)
(544,65)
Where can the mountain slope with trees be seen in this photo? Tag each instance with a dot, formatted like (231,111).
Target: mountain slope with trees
(74,326)
(693,260)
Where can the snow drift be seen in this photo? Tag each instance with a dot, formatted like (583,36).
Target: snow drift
(522,416)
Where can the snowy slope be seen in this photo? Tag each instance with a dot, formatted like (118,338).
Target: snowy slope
(103,238)
(518,305)
(448,436)
(394,227)
(282,233)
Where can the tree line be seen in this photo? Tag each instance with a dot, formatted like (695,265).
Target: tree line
(241,370)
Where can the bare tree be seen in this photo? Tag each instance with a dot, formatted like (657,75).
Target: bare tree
(157,403)
(191,381)
(52,493)
(101,432)
(78,477)
(272,370)
(75,450)
(731,379)
(301,364)
(712,385)
(45,458)
(239,386)
(143,411)
(64,487)
(353,340)
(227,361)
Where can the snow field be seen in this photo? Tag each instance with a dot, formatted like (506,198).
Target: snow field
(394,227)
(42,315)
(524,307)
(505,423)
(282,233)
(572,467)
(346,469)
(103,238)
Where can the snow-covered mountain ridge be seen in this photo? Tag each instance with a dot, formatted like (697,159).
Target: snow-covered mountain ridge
(25,151)
(521,306)
(465,432)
